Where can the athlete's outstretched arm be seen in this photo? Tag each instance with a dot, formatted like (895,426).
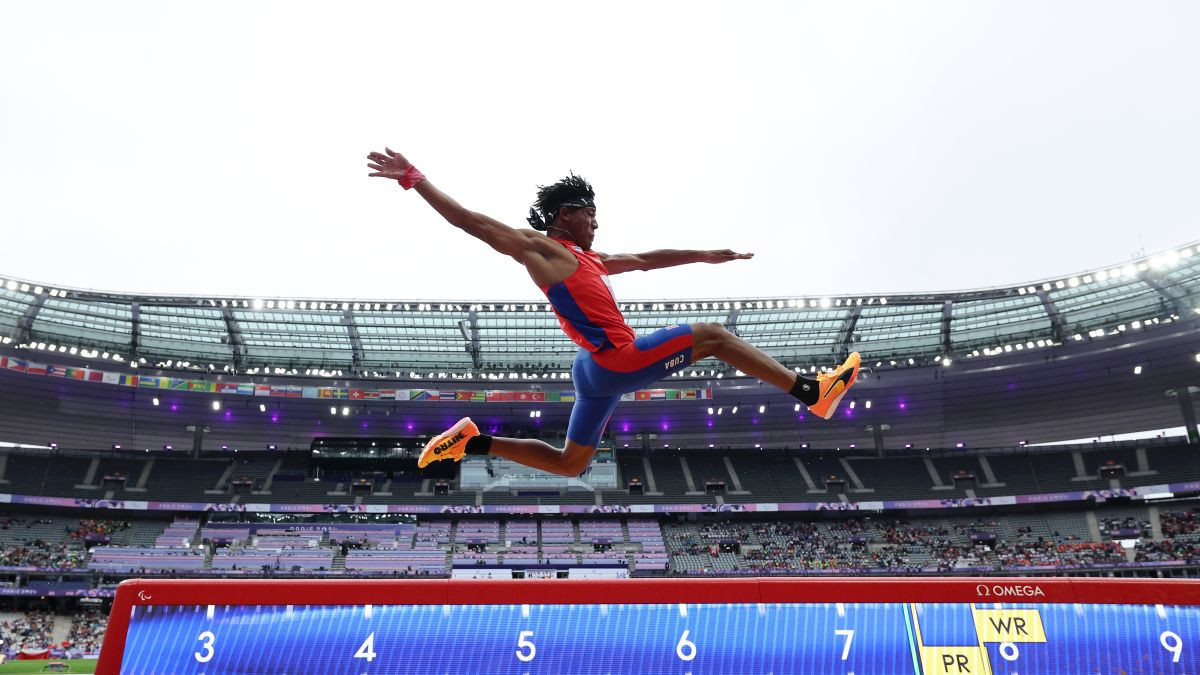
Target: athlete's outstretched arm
(501,237)
(653,260)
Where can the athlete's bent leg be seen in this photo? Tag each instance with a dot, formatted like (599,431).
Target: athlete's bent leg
(589,416)
(572,460)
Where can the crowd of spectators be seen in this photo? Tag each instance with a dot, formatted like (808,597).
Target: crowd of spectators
(90,529)
(1116,527)
(27,630)
(1180,523)
(87,630)
(43,555)
(864,544)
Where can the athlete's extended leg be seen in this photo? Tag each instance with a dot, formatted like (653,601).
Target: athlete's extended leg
(712,339)
(821,395)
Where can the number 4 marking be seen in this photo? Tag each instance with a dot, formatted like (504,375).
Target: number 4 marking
(367,650)
(849,635)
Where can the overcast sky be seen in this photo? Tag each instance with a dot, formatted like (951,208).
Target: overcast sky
(218,148)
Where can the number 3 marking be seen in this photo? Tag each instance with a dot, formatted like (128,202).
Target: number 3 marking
(523,643)
(209,639)
(849,635)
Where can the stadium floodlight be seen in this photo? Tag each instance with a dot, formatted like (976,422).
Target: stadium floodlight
(907,445)
(959,444)
(53,446)
(1198,358)
(258,304)
(154,401)
(720,410)
(262,407)
(762,409)
(1137,370)
(946,362)
(734,411)
(911,362)
(804,445)
(867,405)
(116,446)
(853,403)
(345,411)
(796,408)
(216,405)
(167,446)
(710,411)
(332,410)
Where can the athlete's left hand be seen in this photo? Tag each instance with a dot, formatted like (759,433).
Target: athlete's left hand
(725,255)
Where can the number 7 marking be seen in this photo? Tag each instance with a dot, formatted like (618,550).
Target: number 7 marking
(849,635)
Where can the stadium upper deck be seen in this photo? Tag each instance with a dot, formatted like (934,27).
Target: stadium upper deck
(480,339)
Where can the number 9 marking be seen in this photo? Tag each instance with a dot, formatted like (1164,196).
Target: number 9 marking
(523,643)
(686,649)
(1172,643)
(209,639)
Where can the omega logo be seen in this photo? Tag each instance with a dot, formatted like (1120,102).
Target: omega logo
(1001,591)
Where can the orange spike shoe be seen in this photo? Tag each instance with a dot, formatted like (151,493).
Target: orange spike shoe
(450,444)
(835,385)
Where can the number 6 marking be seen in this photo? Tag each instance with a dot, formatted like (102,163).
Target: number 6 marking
(686,649)
(1173,645)
(849,635)
(523,643)
(209,639)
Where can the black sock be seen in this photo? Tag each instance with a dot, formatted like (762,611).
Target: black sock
(479,445)
(804,389)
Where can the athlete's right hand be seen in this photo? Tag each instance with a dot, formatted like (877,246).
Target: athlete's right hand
(391,165)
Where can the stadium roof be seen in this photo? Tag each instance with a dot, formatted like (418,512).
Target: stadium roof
(419,338)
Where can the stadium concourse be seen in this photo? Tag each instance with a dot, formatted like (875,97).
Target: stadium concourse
(220,437)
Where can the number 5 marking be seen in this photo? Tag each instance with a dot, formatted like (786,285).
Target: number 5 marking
(209,639)
(523,644)
(849,635)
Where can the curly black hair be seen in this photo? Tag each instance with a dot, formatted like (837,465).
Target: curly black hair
(572,191)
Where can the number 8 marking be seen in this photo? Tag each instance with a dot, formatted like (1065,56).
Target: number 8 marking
(1173,645)
(209,639)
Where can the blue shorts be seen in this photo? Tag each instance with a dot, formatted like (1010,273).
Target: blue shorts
(601,377)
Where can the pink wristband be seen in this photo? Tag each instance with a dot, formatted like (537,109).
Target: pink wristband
(411,177)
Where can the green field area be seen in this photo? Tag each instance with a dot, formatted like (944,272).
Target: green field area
(76,666)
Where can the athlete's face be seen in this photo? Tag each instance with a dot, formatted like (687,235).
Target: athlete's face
(581,224)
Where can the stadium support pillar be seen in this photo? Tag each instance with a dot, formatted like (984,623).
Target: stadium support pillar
(1188,409)
(197,439)
(876,431)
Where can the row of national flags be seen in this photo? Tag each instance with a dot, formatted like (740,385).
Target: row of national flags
(348,393)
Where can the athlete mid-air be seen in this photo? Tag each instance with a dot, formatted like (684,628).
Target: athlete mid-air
(612,359)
